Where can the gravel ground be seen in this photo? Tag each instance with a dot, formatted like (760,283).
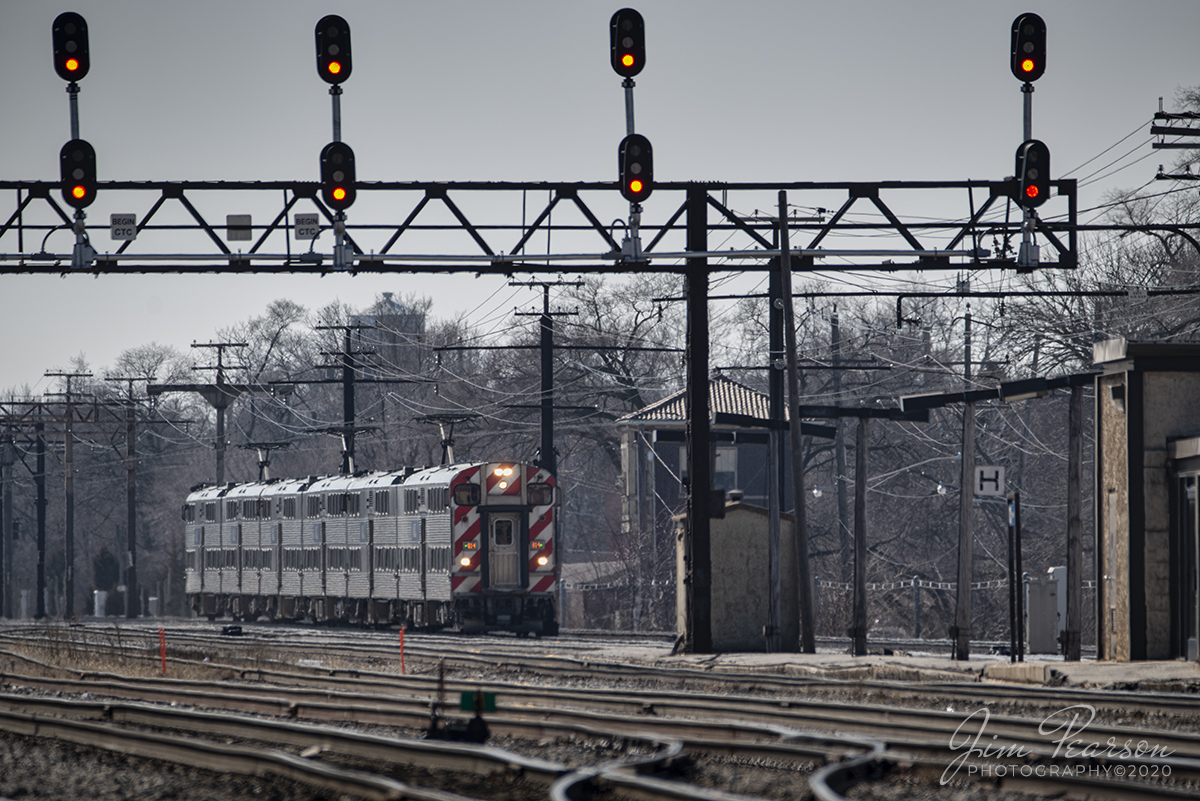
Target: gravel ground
(42,768)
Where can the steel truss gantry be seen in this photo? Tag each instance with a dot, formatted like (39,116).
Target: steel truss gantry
(391,217)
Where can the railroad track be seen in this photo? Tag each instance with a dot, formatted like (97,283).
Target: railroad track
(748,725)
(484,655)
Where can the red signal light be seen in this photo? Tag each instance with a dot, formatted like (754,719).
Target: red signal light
(1028,51)
(627,40)
(1032,172)
(77,162)
(71,56)
(635,163)
(338,175)
(334,59)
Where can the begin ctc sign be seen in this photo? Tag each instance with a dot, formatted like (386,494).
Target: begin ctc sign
(989,480)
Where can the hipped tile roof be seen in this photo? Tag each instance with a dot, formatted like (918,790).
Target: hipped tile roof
(724,395)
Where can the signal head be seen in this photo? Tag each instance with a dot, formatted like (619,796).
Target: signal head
(333,49)
(1032,174)
(1028,57)
(627,35)
(71,56)
(337,176)
(77,163)
(636,165)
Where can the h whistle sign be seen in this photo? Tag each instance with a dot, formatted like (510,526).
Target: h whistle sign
(989,480)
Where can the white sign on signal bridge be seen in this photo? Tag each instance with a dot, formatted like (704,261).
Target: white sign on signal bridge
(122,227)
(306,226)
(989,480)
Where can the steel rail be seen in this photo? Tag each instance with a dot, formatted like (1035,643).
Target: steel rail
(1150,703)
(198,753)
(919,746)
(919,732)
(479,760)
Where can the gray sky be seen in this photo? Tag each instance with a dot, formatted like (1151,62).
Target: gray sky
(522,91)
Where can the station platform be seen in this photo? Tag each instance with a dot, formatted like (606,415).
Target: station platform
(1160,676)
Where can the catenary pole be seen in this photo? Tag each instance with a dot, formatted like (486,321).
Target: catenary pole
(808,640)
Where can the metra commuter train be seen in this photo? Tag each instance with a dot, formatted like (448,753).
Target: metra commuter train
(468,546)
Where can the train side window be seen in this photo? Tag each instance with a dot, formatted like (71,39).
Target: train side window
(210,512)
(466,494)
(383,503)
(231,510)
(313,506)
(541,494)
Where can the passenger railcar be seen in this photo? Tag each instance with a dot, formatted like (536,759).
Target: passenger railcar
(470,546)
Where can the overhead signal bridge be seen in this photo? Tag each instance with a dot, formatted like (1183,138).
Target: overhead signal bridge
(480,227)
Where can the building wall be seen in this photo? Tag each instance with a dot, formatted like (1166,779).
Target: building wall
(1112,517)
(1134,506)
(741,578)
(1172,409)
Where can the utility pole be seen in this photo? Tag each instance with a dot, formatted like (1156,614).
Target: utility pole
(349,365)
(8,457)
(839,443)
(219,396)
(133,598)
(547,457)
(39,480)
(859,629)
(1072,648)
(69,490)
(777,638)
(961,631)
(699,499)
(808,640)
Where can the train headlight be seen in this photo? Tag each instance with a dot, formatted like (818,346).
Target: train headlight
(465,561)
(543,561)
(503,485)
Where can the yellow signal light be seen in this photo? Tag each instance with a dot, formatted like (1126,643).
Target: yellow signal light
(78,192)
(636,186)
(72,64)
(627,60)
(339,193)
(335,67)
(1027,65)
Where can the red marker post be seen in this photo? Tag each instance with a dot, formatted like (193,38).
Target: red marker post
(162,649)
(402,670)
